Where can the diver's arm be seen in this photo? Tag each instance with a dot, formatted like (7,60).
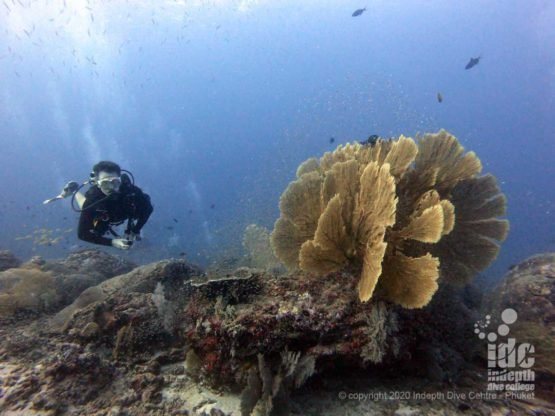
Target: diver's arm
(144,209)
(85,231)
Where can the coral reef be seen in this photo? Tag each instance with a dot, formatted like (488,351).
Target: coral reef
(166,339)
(84,269)
(147,291)
(320,321)
(398,213)
(49,286)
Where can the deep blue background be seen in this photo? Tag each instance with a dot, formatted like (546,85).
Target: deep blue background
(218,102)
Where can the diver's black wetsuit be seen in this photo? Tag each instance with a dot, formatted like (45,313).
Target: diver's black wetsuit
(130,203)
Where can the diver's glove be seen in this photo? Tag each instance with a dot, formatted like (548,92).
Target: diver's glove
(122,243)
(69,189)
(133,236)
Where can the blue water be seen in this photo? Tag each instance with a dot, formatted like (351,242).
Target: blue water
(215,103)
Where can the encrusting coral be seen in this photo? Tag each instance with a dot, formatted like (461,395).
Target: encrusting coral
(402,212)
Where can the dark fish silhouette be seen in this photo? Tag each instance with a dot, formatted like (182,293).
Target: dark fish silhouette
(371,141)
(332,139)
(212,206)
(358,12)
(439,97)
(175,220)
(473,62)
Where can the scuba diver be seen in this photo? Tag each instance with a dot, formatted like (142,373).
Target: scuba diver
(112,199)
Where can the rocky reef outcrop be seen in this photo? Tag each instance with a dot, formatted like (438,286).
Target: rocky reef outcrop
(529,290)
(164,339)
(131,312)
(39,286)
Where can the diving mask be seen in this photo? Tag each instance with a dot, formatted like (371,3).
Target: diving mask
(109,184)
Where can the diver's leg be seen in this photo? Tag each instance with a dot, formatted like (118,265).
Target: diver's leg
(80,198)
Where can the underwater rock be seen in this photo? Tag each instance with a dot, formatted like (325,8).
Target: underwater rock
(529,289)
(8,260)
(89,262)
(27,290)
(41,286)
(320,320)
(284,322)
(84,269)
(131,312)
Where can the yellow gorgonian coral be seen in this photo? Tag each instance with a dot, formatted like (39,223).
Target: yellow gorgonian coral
(398,211)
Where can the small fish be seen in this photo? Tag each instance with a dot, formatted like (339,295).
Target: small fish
(371,141)
(358,12)
(473,62)
(212,206)
(332,139)
(169,227)
(439,97)
(175,220)
(190,211)
(182,254)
